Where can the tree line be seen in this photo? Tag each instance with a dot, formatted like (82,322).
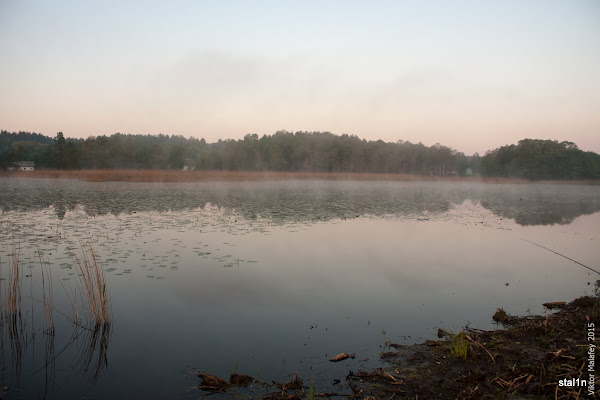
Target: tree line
(541,159)
(282,151)
(299,151)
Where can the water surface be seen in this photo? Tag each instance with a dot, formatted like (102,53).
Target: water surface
(278,276)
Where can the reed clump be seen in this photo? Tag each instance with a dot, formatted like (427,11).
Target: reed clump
(92,286)
(10,309)
(12,304)
(90,291)
(47,296)
(89,294)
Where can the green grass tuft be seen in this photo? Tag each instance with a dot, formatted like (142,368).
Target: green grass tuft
(459,346)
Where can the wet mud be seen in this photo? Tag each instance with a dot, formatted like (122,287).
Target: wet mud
(527,357)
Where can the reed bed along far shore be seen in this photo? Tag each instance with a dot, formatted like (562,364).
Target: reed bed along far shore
(129,175)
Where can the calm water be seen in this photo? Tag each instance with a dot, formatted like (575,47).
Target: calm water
(277,277)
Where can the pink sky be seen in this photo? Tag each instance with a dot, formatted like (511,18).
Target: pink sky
(470,75)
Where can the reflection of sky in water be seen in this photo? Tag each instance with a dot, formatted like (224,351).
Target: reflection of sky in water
(206,288)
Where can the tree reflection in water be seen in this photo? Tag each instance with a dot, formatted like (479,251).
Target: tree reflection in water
(305,201)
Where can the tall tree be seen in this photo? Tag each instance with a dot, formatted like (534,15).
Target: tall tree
(59,150)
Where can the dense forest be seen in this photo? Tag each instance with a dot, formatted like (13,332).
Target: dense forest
(299,151)
(282,151)
(541,159)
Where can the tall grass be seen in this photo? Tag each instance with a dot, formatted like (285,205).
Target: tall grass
(47,296)
(89,294)
(459,346)
(92,286)
(13,296)
(50,362)
(11,309)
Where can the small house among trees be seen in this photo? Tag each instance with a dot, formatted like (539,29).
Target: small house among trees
(21,166)
(189,164)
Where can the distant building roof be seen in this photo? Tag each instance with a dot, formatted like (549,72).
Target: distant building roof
(25,164)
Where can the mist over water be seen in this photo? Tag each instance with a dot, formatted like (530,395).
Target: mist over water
(302,201)
(279,276)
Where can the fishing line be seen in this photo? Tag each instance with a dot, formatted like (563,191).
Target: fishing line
(562,255)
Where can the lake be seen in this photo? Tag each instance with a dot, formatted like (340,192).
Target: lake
(276,277)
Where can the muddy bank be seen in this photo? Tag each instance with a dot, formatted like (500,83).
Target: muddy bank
(547,356)
(533,357)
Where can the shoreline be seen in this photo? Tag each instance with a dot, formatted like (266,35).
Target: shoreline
(531,357)
(550,356)
(259,176)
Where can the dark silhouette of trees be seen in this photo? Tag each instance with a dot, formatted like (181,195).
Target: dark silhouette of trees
(59,150)
(71,156)
(541,159)
(24,146)
(299,151)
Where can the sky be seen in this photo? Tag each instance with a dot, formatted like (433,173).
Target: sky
(472,75)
